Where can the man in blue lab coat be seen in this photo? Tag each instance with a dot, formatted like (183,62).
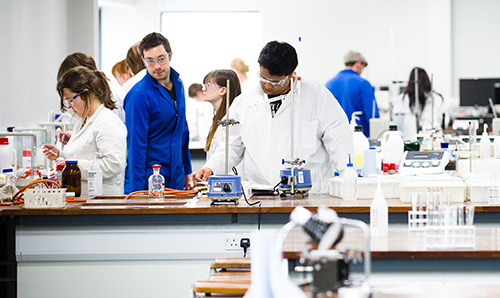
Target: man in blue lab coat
(155,111)
(353,92)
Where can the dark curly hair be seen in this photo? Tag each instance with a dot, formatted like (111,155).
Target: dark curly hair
(279,58)
(153,40)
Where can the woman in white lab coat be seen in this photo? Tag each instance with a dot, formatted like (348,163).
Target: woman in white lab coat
(99,137)
(215,92)
(412,115)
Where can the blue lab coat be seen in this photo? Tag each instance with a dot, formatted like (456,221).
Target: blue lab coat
(157,134)
(354,94)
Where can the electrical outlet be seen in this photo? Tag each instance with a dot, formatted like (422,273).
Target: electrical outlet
(232,240)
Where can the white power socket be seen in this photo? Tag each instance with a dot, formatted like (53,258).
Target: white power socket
(233,240)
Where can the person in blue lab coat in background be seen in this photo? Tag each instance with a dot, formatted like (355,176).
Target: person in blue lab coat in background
(156,121)
(353,92)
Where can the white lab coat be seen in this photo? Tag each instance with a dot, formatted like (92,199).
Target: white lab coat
(118,95)
(406,119)
(133,80)
(217,141)
(101,142)
(199,117)
(322,135)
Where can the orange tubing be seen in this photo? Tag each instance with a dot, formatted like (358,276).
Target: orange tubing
(36,181)
(168,191)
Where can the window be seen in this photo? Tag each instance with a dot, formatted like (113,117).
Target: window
(204,41)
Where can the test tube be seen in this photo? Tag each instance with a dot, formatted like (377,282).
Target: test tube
(460,214)
(414,201)
(453,215)
(430,209)
(414,208)
(469,215)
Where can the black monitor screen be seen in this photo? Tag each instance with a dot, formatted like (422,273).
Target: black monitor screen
(477,91)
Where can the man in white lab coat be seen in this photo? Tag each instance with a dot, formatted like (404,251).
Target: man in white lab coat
(263,137)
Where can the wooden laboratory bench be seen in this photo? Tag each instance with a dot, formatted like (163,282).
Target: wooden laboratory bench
(404,290)
(400,243)
(186,205)
(233,279)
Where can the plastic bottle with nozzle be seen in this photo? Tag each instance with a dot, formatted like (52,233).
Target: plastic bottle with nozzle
(485,144)
(349,182)
(354,118)
(379,213)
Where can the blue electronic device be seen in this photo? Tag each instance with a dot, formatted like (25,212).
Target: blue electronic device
(224,188)
(302,178)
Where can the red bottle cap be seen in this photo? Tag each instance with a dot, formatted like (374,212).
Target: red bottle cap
(26,153)
(4,141)
(392,166)
(156,166)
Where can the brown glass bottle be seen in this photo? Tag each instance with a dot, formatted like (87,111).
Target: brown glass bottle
(72,177)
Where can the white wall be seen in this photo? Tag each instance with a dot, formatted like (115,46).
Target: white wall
(35,37)
(476,40)
(449,38)
(421,33)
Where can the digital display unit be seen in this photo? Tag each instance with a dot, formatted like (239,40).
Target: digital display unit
(477,91)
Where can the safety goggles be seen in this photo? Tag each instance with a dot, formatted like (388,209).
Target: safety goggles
(68,103)
(276,83)
(160,60)
(205,86)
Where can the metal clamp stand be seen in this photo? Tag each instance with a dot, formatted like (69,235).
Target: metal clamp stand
(292,180)
(225,188)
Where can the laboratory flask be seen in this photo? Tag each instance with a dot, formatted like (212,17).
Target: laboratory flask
(392,146)
(72,177)
(156,185)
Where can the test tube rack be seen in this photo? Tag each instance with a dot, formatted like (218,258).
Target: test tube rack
(43,198)
(444,230)
(417,220)
(494,196)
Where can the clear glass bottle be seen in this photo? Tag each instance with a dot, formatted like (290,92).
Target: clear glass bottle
(9,189)
(72,177)
(156,185)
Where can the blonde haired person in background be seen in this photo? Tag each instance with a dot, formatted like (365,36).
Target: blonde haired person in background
(120,72)
(241,69)
(136,67)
